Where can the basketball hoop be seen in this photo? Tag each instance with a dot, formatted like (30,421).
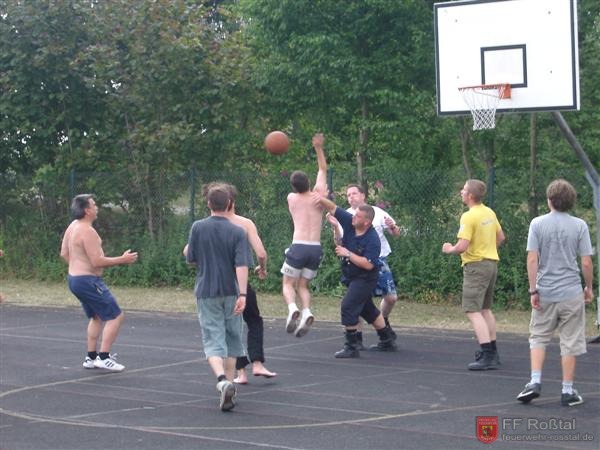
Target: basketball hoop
(483,101)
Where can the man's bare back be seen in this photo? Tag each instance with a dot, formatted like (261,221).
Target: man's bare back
(307,217)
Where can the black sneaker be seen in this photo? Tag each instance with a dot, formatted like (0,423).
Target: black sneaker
(571,399)
(531,391)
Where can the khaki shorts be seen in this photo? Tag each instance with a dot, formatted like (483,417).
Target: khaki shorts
(479,281)
(568,317)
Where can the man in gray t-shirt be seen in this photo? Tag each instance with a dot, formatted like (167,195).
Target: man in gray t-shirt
(220,252)
(557,299)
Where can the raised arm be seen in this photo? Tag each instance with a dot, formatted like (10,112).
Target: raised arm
(327,204)
(321,184)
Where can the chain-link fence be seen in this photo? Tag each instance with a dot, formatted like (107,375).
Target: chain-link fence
(152,214)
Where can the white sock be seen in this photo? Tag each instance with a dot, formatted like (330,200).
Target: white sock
(536,376)
(292,307)
(567,387)
(306,312)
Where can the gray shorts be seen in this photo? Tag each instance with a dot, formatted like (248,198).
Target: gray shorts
(479,281)
(568,317)
(221,329)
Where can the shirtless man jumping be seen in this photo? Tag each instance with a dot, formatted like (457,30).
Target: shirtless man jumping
(82,250)
(303,257)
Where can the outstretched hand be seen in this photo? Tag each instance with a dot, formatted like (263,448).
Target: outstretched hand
(318,140)
(129,257)
(331,219)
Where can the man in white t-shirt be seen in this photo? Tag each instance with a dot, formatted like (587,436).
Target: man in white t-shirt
(382,222)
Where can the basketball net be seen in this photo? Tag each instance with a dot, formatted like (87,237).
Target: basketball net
(483,101)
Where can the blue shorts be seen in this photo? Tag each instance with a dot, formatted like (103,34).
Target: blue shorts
(95,298)
(221,329)
(385,283)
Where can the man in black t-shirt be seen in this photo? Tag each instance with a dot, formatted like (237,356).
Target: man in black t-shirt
(359,251)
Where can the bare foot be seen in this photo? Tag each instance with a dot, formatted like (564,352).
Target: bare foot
(242,377)
(261,371)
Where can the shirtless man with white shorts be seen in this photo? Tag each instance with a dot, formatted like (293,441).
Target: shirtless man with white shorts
(303,257)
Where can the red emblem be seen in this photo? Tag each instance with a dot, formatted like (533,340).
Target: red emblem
(487,429)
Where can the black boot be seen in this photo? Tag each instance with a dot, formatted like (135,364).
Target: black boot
(386,341)
(350,349)
(387,322)
(495,354)
(359,341)
(485,360)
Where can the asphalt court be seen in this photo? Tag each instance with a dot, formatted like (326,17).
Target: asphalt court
(420,397)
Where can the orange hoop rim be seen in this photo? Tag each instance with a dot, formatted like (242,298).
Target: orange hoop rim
(503,89)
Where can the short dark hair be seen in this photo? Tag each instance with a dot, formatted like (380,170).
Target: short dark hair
(79,204)
(368,210)
(357,186)
(299,181)
(561,194)
(218,197)
(232,195)
(477,189)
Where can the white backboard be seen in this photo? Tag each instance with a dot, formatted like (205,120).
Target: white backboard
(530,44)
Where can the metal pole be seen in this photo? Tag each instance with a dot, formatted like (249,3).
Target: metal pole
(71,185)
(192,194)
(594,179)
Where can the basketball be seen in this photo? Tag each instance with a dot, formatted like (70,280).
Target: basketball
(277,142)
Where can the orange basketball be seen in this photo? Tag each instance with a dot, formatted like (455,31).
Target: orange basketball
(277,142)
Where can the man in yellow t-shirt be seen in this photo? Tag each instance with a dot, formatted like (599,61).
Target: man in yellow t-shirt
(479,237)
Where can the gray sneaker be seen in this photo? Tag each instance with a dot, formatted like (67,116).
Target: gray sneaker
(571,399)
(227,397)
(531,391)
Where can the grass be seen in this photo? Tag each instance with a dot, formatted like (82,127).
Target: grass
(406,313)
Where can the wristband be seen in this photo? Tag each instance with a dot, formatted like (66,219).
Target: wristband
(242,295)
(533,292)
(348,254)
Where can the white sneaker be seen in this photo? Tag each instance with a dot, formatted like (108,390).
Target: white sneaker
(108,364)
(227,397)
(292,321)
(305,324)
(88,363)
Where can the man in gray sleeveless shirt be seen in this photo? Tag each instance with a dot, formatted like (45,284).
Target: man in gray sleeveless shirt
(554,242)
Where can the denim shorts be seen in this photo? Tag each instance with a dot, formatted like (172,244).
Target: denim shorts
(221,329)
(95,297)
(385,283)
